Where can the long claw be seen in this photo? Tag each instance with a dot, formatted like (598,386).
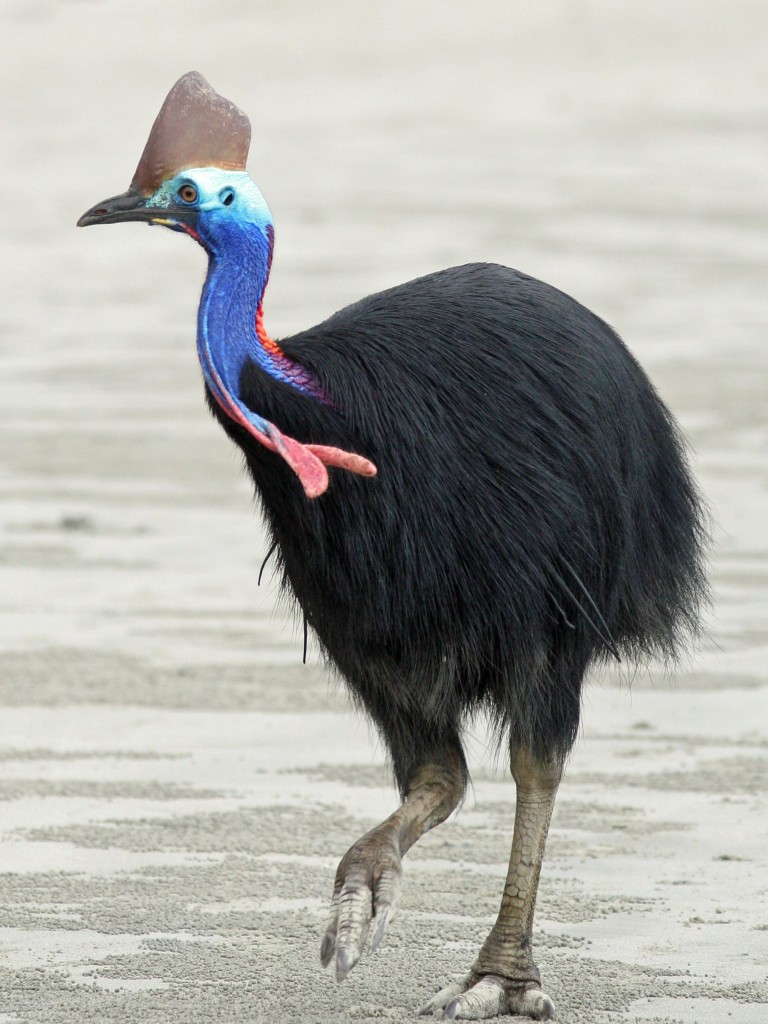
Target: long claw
(327,947)
(380,920)
(446,995)
(385,903)
(344,963)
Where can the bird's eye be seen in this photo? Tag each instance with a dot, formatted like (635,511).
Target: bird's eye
(188,194)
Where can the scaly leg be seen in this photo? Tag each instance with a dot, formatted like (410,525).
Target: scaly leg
(366,890)
(504,978)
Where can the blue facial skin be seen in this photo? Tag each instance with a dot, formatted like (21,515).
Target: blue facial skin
(234,225)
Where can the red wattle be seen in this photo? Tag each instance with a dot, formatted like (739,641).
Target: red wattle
(343,460)
(308,461)
(307,466)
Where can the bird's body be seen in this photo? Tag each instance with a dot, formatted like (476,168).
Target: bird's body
(513,435)
(508,503)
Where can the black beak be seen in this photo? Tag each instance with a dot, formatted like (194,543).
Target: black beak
(131,205)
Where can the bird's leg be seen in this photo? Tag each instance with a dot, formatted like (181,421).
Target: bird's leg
(366,890)
(504,978)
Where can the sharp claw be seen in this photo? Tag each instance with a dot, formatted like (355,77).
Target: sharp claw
(326,949)
(444,997)
(378,935)
(344,964)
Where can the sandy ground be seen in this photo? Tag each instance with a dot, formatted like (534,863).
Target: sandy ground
(176,788)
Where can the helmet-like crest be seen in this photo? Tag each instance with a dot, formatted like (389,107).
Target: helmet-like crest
(196,127)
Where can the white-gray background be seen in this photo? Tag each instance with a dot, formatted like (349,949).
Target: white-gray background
(176,788)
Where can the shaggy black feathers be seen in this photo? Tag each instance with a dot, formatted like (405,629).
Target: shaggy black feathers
(532,507)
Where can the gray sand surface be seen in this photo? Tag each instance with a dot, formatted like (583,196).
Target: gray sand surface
(175,787)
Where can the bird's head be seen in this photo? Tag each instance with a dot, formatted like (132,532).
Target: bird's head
(191,176)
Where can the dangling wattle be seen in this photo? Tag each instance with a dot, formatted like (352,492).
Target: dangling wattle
(231,333)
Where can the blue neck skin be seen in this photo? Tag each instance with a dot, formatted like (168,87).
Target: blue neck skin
(230,329)
(238,238)
(234,226)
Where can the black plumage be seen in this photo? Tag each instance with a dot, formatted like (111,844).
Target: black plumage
(528,472)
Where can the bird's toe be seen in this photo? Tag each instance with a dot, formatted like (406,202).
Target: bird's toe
(531,1002)
(364,900)
(485,999)
(446,995)
(490,996)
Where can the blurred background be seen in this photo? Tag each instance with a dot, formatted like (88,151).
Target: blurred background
(616,149)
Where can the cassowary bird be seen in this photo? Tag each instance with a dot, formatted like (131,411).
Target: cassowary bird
(509,503)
